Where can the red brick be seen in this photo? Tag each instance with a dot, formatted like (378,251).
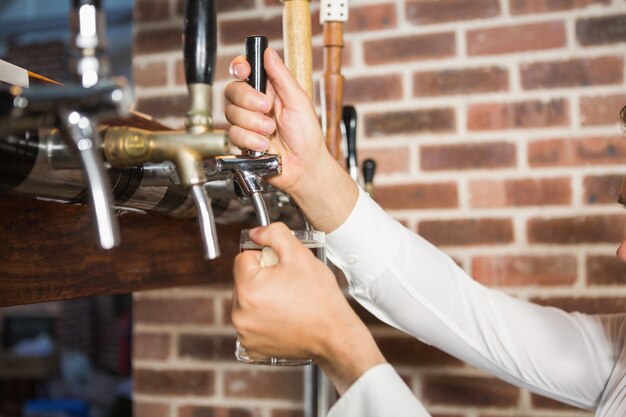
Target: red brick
(468,391)
(408,351)
(462,81)
(409,121)
(164,106)
(150,409)
(287,413)
(524,270)
(467,231)
(597,305)
(513,39)
(174,382)
(543,6)
(519,193)
(602,189)
(601,30)
(410,48)
(207,347)
(520,115)
(279,384)
(372,17)
(572,152)
(373,88)
(417,196)
(388,160)
(150,75)
(206,411)
(576,230)
(158,40)
(605,270)
(436,11)
(573,73)
(601,110)
(174,311)
(151,345)
(471,156)
(544,402)
(234,32)
(151,10)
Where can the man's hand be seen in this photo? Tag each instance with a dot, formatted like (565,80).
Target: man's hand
(295,309)
(283,121)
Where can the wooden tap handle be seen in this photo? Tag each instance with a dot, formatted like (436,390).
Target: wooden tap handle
(332,88)
(297,40)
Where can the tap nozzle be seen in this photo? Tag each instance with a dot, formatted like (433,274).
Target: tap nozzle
(248,172)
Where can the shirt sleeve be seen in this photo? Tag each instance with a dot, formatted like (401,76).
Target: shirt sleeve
(411,285)
(379,392)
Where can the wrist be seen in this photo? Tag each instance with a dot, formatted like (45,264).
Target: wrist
(326,194)
(346,356)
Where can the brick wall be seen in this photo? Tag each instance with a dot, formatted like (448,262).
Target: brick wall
(495,126)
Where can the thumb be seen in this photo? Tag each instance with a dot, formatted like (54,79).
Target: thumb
(246,267)
(278,237)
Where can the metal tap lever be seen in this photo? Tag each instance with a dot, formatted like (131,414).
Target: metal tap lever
(349,127)
(200,50)
(248,169)
(255,49)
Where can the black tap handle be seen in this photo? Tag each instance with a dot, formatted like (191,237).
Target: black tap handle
(200,41)
(255,48)
(349,123)
(369,168)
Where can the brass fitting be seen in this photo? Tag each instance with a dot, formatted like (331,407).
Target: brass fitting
(127,146)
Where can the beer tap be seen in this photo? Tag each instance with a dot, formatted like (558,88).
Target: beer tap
(369,169)
(349,129)
(75,111)
(127,146)
(249,168)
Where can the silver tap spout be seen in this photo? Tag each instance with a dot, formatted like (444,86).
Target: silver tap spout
(78,128)
(248,172)
(206,222)
(75,110)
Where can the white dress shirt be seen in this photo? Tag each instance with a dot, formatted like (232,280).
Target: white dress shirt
(409,284)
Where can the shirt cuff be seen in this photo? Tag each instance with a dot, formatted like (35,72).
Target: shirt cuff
(366,243)
(379,392)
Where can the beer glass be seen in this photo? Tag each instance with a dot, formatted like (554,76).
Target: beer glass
(316,242)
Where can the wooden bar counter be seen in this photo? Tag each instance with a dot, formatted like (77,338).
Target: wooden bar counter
(49,251)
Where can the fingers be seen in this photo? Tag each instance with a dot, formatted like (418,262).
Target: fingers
(243,138)
(278,237)
(242,95)
(286,87)
(250,120)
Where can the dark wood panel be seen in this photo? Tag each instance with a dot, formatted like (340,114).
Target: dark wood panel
(49,251)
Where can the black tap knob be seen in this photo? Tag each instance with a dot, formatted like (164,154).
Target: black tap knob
(200,41)
(349,125)
(369,169)
(255,48)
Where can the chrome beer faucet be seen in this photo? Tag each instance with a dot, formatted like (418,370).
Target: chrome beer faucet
(75,109)
(128,146)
